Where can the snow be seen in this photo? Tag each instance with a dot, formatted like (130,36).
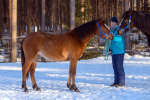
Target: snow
(1,58)
(92,79)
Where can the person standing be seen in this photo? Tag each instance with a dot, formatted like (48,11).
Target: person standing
(118,50)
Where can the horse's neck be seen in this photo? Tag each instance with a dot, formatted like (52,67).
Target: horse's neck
(87,39)
(143,29)
(145,32)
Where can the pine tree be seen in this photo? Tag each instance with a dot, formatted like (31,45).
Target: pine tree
(14,31)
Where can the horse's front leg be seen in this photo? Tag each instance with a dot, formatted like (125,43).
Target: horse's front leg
(69,80)
(72,74)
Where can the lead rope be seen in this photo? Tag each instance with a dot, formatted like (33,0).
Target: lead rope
(106,49)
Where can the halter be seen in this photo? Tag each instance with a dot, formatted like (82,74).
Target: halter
(128,26)
(100,31)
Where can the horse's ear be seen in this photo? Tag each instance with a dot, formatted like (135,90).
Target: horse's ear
(130,11)
(100,21)
(103,20)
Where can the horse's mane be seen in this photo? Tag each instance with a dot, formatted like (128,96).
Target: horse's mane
(86,29)
(142,21)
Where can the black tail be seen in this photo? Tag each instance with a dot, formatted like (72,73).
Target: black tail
(23,58)
(148,39)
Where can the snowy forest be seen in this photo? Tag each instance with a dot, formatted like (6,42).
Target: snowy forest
(21,17)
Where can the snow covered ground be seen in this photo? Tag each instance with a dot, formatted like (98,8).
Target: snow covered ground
(93,79)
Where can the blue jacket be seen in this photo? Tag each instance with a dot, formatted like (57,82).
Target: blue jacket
(117,44)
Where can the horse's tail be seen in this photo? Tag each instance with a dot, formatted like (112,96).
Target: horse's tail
(23,58)
(148,39)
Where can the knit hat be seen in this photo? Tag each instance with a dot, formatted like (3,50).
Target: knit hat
(114,19)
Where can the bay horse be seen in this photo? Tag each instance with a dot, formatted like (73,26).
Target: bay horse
(138,19)
(59,47)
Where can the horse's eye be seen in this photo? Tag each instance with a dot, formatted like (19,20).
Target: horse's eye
(104,27)
(126,20)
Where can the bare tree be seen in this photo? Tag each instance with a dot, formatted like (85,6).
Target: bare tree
(29,15)
(146,6)
(141,5)
(54,17)
(127,36)
(99,9)
(138,9)
(14,31)
(43,22)
(1,19)
(60,16)
(107,12)
(131,2)
(10,23)
(43,15)
(72,14)
(37,14)
(82,11)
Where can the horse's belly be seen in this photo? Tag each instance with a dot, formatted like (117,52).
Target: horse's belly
(53,56)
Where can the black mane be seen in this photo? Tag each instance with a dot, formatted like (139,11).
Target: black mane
(86,29)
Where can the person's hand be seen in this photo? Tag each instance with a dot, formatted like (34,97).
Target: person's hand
(110,53)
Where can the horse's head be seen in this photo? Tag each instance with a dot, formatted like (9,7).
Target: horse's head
(126,23)
(104,32)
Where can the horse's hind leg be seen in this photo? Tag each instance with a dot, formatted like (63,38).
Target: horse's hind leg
(25,68)
(32,71)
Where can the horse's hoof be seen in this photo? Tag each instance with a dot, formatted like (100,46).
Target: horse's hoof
(26,90)
(76,90)
(73,87)
(68,85)
(38,89)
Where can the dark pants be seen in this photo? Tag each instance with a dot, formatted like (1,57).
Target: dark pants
(119,74)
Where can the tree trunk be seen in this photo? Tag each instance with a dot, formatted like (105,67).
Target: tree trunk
(43,22)
(127,36)
(1,19)
(131,4)
(142,5)
(104,9)
(107,12)
(60,16)
(37,14)
(117,1)
(115,7)
(72,14)
(10,23)
(138,9)
(43,15)
(54,18)
(28,19)
(94,6)
(146,6)
(138,5)
(14,31)
(99,10)
(10,15)
(89,9)
(82,11)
